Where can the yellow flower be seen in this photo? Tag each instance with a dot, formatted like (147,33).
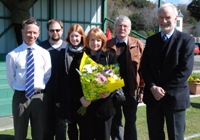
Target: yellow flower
(194,78)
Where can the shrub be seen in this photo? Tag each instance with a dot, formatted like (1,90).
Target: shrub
(194,77)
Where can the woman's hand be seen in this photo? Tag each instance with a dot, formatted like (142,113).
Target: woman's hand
(104,95)
(84,102)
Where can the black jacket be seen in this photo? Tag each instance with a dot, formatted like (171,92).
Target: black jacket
(102,108)
(169,67)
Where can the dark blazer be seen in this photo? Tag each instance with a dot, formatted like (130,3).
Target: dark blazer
(169,67)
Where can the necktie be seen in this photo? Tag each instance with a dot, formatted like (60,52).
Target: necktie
(122,44)
(165,38)
(29,74)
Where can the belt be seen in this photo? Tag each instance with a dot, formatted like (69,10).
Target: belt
(36,92)
(39,91)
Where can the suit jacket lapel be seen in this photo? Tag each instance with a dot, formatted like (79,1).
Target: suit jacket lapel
(169,45)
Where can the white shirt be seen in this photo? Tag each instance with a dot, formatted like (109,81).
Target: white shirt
(16,67)
(168,35)
(56,46)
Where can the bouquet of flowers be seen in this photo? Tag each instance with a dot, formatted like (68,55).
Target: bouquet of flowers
(96,78)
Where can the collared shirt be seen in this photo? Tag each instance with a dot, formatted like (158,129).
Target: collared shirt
(16,67)
(126,41)
(168,35)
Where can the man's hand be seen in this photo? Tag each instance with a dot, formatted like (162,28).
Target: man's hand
(158,92)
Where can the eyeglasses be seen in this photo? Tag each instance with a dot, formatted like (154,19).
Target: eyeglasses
(52,31)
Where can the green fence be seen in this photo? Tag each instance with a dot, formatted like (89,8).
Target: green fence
(6,92)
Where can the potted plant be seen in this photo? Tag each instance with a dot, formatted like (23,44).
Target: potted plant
(194,83)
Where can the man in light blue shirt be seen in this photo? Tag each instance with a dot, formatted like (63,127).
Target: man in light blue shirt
(24,108)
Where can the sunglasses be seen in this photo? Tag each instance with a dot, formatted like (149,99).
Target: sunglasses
(52,31)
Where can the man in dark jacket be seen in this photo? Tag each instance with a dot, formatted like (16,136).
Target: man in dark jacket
(56,124)
(129,52)
(166,65)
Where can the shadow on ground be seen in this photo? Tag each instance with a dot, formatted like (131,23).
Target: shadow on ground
(195,105)
(7,137)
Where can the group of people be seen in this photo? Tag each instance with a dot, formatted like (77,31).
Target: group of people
(156,74)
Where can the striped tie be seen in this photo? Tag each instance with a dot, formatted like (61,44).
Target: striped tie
(29,74)
(165,38)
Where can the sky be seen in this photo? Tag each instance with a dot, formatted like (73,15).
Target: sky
(175,2)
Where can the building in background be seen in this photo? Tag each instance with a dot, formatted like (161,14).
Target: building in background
(88,13)
(179,24)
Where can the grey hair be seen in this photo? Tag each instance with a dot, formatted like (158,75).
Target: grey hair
(175,11)
(123,18)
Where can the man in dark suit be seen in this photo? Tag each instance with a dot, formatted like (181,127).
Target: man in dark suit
(166,65)
(129,52)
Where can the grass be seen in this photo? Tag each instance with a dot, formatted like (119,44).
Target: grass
(192,123)
(193,118)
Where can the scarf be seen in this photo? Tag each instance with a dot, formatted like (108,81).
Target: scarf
(74,49)
(70,51)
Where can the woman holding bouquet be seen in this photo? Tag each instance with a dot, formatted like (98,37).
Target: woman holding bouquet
(76,40)
(96,123)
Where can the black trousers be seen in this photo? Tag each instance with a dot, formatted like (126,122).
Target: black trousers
(129,109)
(175,122)
(93,128)
(73,131)
(55,126)
(33,113)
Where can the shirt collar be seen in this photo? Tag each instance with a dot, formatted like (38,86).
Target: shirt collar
(168,35)
(25,46)
(125,41)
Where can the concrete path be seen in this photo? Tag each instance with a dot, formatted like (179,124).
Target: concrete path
(6,123)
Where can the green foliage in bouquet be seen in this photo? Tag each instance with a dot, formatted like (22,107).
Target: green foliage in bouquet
(96,79)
